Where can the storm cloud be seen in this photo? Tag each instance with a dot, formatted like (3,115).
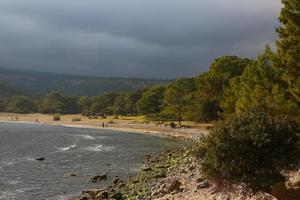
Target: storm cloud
(132,38)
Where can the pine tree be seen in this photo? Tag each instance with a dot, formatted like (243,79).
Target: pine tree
(288,45)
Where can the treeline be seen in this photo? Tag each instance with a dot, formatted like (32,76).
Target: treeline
(232,85)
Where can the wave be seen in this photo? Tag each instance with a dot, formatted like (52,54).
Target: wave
(11,194)
(99,148)
(13,182)
(15,161)
(6,164)
(65,148)
(86,137)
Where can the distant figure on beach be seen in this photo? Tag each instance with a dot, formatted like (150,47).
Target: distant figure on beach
(36,120)
(103,125)
(12,118)
(17,118)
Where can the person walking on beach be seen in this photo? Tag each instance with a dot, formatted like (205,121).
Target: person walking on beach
(103,125)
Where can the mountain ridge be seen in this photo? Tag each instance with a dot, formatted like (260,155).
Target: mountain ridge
(39,83)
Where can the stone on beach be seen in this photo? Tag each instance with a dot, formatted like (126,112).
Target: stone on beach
(98,178)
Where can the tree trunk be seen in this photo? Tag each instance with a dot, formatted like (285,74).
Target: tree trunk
(179,119)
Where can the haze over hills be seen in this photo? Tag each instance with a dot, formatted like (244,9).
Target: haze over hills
(40,83)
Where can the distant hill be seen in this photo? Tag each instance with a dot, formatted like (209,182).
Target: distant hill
(40,83)
(7,90)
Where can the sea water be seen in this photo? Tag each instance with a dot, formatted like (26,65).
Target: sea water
(84,152)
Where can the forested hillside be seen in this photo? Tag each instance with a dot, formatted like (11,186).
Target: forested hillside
(40,83)
(7,90)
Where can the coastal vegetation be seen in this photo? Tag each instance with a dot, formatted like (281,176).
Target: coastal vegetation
(254,104)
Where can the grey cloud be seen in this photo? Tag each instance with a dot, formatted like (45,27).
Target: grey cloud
(134,38)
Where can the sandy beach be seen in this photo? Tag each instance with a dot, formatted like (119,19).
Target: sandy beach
(124,124)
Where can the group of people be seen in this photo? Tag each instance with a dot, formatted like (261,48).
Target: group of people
(104,124)
(15,118)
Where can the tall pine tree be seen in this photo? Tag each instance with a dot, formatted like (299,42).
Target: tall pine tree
(288,45)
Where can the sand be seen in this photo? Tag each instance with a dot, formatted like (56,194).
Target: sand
(124,124)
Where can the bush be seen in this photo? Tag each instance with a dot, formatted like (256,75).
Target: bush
(76,119)
(251,148)
(56,118)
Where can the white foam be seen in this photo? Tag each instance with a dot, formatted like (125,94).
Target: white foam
(66,148)
(99,148)
(86,137)
(101,137)
(14,182)
(11,194)
(7,163)
(15,161)
(29,159)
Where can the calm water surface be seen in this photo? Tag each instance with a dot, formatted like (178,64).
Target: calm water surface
(67,150)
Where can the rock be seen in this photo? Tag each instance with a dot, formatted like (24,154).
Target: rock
(71,174)
(117,196)
(135,181)
(203,185)
(102,195)
(183,171)
(161,175)
(147,169)
(200,179)
(98,178)
(40,159)
(155,193)
(175,185)
(116,181)
(158,192)
(192,167)
(84,198)
(294,182)
(121,184)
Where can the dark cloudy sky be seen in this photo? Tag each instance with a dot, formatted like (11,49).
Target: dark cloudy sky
(132,38)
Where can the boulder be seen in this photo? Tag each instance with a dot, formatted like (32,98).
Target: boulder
(116,181)
(294,181)
(175,185)
(102,195)
(200,179)
(117,196)
(71,174)
(98,178)
(160,175)
(146,169)
(202,185)
(40,159)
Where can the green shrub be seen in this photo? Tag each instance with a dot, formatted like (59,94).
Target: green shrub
(76,119)
(56,118)
(251,148)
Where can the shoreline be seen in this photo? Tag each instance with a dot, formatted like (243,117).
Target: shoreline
(122,125)
(127,130)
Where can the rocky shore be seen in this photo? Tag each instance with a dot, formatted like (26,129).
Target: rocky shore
(172,175)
